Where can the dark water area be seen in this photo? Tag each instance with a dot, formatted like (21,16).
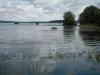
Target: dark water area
(28,49)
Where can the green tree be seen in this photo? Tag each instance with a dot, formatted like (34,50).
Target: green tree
(88,15)
(97,15)
(69,18)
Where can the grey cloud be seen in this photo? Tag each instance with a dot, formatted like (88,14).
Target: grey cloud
(41,9)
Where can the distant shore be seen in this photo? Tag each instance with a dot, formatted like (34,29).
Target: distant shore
(53,21)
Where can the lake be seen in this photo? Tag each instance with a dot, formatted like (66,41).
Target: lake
(29,49)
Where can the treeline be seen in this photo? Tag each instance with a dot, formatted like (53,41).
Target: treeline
(90,15)
(56,21)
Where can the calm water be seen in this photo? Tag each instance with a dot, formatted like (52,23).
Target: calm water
(27,49)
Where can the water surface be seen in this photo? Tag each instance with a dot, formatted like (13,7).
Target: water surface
(27,49)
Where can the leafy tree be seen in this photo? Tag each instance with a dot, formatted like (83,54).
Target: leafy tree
(97,15)
(88,15)
(69,18)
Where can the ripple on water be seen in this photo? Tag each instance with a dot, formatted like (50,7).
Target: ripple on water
(37,50)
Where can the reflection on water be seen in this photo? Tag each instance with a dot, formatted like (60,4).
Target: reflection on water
(92,41)
(92,36)
(38,50)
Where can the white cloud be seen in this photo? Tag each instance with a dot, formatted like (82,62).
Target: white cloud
(31,10)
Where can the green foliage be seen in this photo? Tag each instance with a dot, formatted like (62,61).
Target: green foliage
(97,15)
(90,15)
(69,18)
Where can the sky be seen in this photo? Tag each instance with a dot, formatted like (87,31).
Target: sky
(41,10)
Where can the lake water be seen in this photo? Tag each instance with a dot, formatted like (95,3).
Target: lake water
(28,49)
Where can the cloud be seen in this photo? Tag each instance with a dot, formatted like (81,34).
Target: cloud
(32,10)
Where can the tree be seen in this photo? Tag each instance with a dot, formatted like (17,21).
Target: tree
(97,15)
(69,18)
(88,15)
